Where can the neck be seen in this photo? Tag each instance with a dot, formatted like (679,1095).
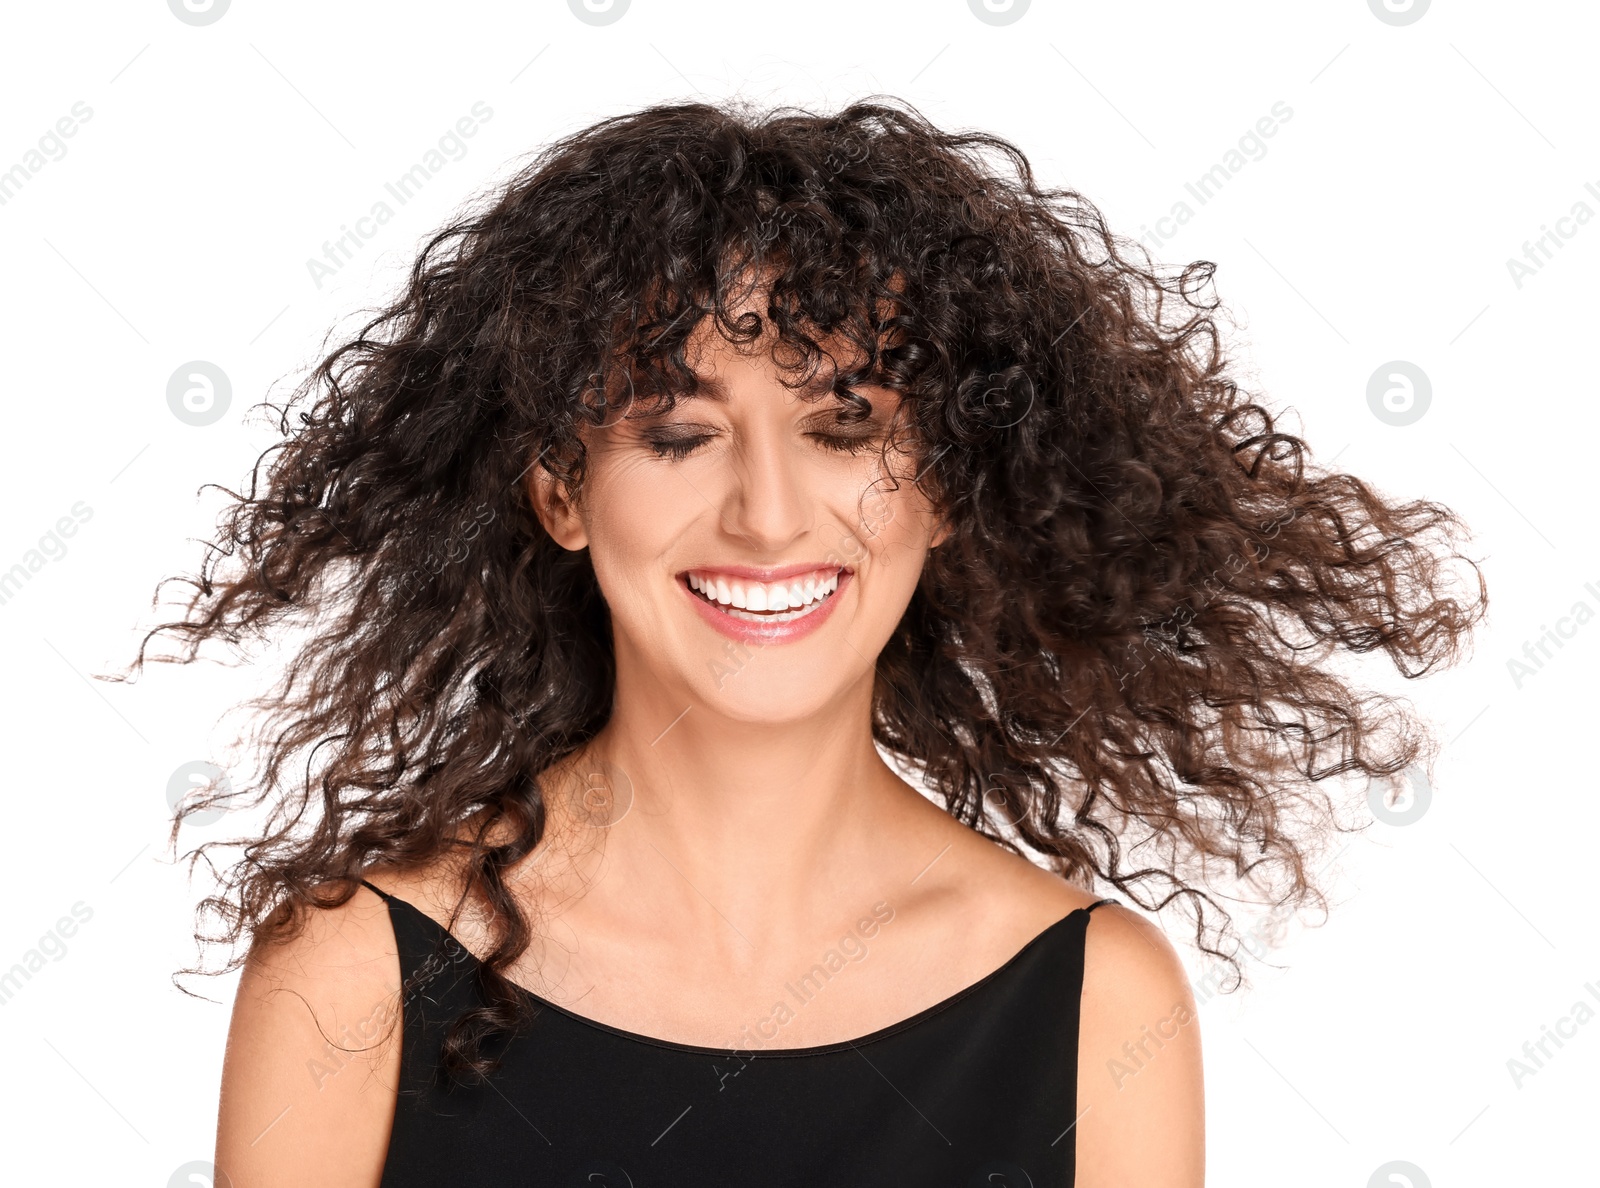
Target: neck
(741,831)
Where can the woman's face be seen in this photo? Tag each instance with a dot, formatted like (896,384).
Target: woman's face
(746,496)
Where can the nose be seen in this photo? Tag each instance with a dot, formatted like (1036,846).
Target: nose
(768,503)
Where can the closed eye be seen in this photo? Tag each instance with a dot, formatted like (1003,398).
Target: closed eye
(676,447)
(682,447)
(846,443)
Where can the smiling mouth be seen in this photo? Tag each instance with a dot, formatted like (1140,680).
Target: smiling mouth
(765,602)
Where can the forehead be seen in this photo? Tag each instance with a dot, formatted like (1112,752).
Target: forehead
(814,390)
(710,361)
(710,356)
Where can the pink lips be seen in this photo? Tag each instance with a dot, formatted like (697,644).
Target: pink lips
(762,634)
(770,573)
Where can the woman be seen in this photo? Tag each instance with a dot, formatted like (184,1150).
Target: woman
(746,541)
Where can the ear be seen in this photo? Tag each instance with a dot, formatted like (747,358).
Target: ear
(557,510)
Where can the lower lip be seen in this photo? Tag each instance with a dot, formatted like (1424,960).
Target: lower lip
(766,633)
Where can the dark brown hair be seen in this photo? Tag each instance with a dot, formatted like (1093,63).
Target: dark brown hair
(1119,661)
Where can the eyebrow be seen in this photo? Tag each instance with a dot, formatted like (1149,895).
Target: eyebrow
(706,388)
(712,388)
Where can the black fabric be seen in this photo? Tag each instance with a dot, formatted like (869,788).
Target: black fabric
(979,1089)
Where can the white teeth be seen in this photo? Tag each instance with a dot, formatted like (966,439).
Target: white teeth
(766,602)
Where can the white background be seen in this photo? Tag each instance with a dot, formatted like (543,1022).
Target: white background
(1376,227)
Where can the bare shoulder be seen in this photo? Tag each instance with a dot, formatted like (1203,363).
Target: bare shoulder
(1141,1117)
(1002,893)
(312,1063)
(435,888)
(1141,1087)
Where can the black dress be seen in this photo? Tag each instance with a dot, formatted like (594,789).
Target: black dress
(979,1089)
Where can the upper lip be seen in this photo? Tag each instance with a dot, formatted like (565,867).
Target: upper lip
(769,573)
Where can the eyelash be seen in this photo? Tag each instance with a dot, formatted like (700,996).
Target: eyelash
(682,447)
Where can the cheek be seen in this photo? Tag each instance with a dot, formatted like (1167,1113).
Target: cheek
(897,516)
(633,513)
(868,517)
(892,533)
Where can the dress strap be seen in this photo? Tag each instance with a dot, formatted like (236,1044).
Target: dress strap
(1097,903)
(384,895)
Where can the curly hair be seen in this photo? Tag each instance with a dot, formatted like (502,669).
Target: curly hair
(1125,644)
